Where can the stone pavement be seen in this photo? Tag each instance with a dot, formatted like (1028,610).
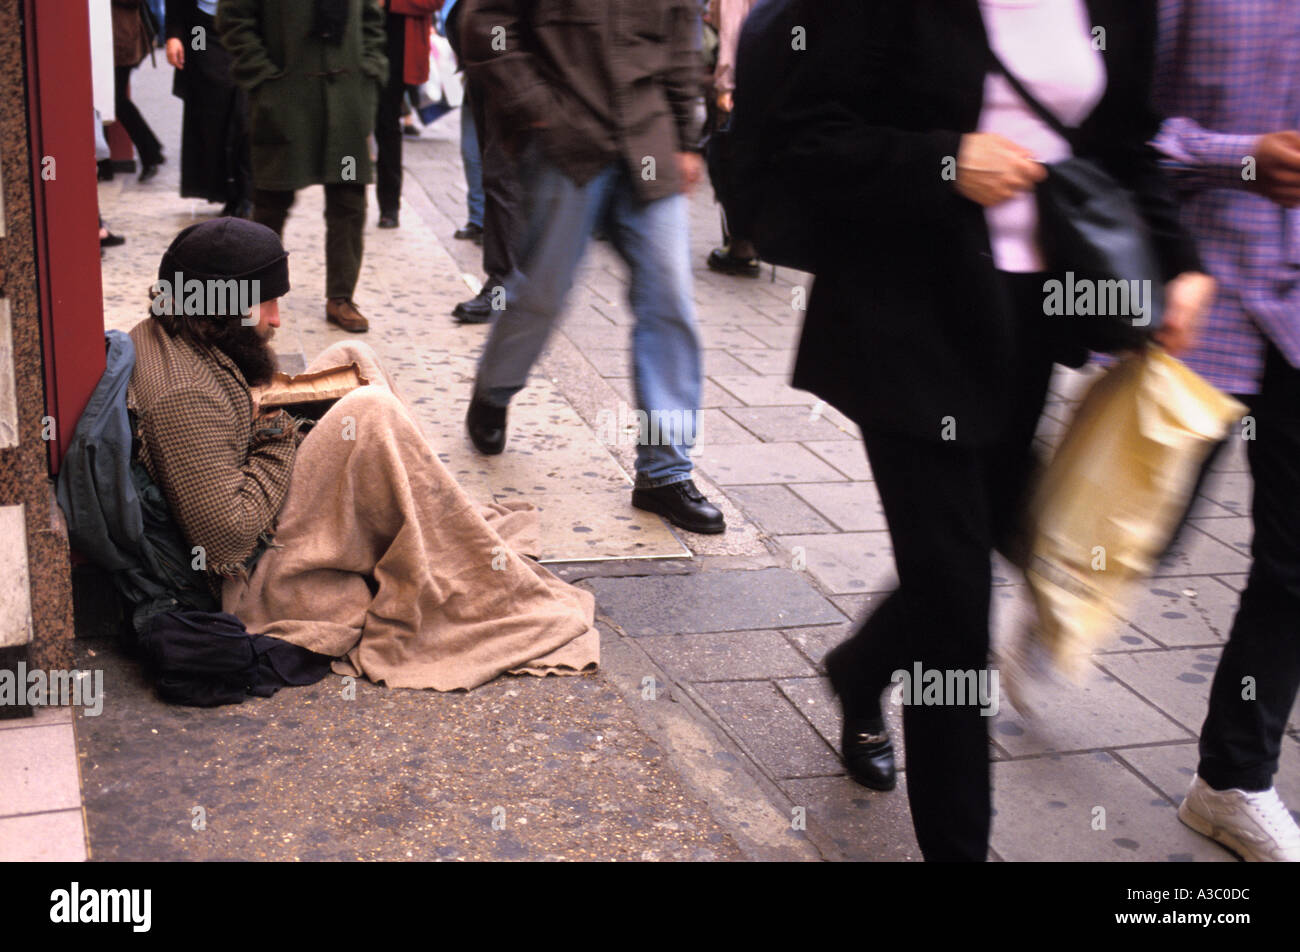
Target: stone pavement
(711,702)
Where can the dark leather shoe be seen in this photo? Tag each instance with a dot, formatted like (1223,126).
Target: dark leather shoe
(487,427)
(149,169)
(388,221)
(477,310)
(683,505)
(723,262)
(865,745)
(344,313)
(471,232)
(868,753)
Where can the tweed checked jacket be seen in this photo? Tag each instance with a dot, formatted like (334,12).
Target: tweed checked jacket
(224,477)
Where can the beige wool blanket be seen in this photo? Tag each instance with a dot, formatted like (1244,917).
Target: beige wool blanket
(382,561)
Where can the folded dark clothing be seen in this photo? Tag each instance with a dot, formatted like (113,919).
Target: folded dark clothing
(206,659)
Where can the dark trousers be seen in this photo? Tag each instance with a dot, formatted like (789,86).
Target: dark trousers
(713,119)
(503,195)
(345,223)
(1242,735)
(146,143)
(215,162)
(503,198)
(948,504)
(388,121)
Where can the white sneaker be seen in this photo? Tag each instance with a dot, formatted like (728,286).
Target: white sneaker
(1255,826)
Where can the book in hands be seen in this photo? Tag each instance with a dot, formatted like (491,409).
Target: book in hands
(310,395)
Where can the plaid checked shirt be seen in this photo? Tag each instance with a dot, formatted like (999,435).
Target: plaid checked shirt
(1228,71)
(224,480)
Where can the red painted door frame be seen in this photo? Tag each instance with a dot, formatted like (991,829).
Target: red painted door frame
(65,197)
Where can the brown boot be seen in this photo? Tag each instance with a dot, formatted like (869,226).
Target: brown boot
(344,313)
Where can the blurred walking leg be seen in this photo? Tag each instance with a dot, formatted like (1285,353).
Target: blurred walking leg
(1242,735)
(948,505)
(502,195)
(560,219)
(146,143)
(654,240)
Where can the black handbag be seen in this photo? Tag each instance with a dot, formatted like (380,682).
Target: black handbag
(1097,244)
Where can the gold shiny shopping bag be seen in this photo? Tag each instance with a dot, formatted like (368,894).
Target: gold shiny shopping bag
(1110,500)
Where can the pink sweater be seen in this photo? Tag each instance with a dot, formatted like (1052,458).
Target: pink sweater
(1048,46)
(727,16)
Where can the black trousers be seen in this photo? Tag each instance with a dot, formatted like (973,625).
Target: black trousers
(503,194)
(948,504)
(146,143)
(388,121)
(215,162)
(345,224)
(1259,672)
(713,118)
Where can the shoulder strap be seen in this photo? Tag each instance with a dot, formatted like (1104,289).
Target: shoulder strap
(1067,133)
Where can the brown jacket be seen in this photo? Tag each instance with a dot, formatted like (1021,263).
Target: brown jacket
(224,479)
(611,79)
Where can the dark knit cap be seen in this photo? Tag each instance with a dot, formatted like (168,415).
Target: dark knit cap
(224,248)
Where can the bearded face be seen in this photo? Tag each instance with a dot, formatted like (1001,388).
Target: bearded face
(248,345)
(249,349)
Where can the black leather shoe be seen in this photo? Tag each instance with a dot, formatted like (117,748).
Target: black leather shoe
(149,169)
(471,232)
(865,746)
(487,427)
(477,310)
(388,221)
(683,505)
(868,753)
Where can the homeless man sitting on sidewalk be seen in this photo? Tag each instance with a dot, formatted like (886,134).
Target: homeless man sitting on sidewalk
(348,537)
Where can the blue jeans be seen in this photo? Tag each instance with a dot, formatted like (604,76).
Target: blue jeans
(472,160)
(654,240)
(159,10)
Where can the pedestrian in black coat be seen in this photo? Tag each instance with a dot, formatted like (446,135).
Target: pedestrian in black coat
(940,357)
(214,127)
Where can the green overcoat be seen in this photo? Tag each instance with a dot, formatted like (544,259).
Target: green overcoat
(311,104)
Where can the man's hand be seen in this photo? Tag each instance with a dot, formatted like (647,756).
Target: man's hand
(992,169)
(1187,299)
(176,53)
(690,166)
(1277,158)
(724,102)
